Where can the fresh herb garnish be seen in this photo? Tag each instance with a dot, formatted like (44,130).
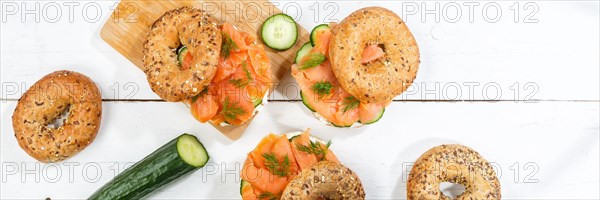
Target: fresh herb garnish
(231,110)
(245,68)
(281,169)
(350,103)
(322,88)
(267,195)
(315,59)
(315,148)
(202,93)
(239,83)
(227,45)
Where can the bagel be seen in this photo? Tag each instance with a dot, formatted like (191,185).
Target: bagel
(280,164)
(56,93)
(196,30)
(456,164)
(382,79)
(325,180)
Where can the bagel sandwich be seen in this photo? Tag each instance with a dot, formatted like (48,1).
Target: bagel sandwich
(222,73)
(281,167)
(349,72)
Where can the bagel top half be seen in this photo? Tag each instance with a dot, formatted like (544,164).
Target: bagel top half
(385,78)
(190,27)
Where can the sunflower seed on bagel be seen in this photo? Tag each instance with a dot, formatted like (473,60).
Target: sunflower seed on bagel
(196,30)
(382,79)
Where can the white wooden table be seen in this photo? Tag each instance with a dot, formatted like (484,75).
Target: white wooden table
(524,95)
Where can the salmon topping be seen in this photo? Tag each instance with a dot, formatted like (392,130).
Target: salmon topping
(323,92)
(242,79)
(276,160)
(371,53)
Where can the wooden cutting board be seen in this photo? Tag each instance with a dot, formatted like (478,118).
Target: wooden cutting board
(126,31)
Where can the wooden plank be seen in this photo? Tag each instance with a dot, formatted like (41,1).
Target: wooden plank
(127,28)
(453,53)
(559,139)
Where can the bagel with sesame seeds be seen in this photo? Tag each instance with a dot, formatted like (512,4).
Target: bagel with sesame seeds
(55,94)
(325,180)
(350,72)
(456,164)
(297,165)
(200,34)
(386,72)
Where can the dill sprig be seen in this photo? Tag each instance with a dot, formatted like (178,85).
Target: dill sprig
(227,45)
(231,110)
(246,71)
(276,167)
(239,83)
(315,59)
(315,148)
(268,196)
(350,103)
(202,93)
(322,88)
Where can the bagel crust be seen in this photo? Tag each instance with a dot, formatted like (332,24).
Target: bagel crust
(456,164)
(326,180)
(199,32)
(385,78)
(52,95)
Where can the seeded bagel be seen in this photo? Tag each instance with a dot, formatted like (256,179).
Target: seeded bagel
(456,164)
(385,78)
(52,95)
(199,32)
(325,180)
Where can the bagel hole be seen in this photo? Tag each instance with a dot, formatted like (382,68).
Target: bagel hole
(381,46)
(177,51)
(452,190)
(59,120)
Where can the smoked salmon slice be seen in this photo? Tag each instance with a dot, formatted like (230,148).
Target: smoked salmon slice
(371,53)
(258,174)
(242,78)
(338,106)
(204,107)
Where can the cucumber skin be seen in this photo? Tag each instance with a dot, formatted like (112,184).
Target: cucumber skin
(180,54)
(379,116)
(242,184)
(161,167)
(313,33)
(305,102)
(303,50)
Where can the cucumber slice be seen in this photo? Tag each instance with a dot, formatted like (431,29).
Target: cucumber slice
(379,115)
(191,151)
(181,54)
(279,32)
(306,102)
(315,31)
(293,137)
(243,184)
(304,50)
(256,102)
(179,157)
(341,126)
